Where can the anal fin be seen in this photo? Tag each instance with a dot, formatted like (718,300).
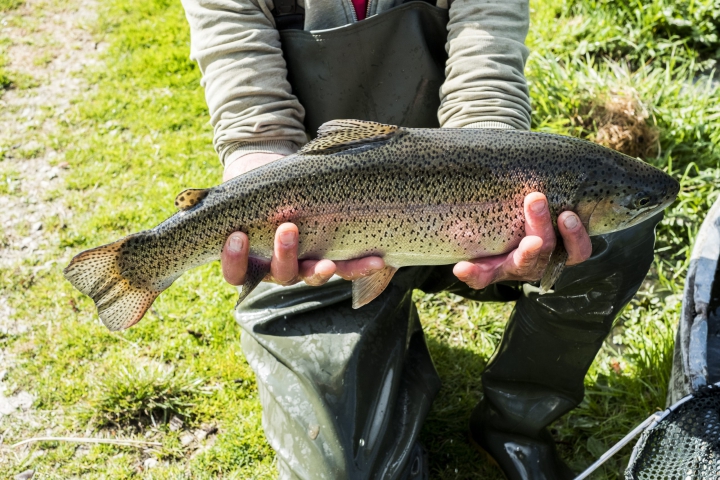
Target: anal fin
(257,270)
(554,268)
(366,289)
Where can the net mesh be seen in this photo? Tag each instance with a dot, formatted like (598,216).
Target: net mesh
(685,445)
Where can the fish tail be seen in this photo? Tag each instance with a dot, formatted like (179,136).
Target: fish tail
(96,273)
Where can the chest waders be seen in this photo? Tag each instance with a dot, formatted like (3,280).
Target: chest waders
(345,392)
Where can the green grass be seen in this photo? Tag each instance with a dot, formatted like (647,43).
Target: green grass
(638,32)
(140,396)
(5,76)
(143,135)
(6,80)
(6,5)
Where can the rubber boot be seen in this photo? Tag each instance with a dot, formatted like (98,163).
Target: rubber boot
(344,391)
(417,467)
(537,373)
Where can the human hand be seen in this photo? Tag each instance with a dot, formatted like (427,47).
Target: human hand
(239,165)
(528,261)
(285,269)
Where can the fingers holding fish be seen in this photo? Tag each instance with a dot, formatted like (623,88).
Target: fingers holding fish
(284,264)
(234,258)
(317,272)
(479,274)
(538,223)
(358,268)
(285,269)
(575,238)
(523,264)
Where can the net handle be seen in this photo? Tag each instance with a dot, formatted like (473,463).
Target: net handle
(649,422)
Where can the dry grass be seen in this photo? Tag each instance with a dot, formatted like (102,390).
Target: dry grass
(620,121)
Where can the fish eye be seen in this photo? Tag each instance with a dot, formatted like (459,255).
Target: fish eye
(642,201)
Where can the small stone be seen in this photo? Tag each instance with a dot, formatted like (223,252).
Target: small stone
(81,451)
(210,429)
(39,453)
(150,463)
(187,439)
(37,226)
(22,400)
(313,431)
(26,475)
(175,424)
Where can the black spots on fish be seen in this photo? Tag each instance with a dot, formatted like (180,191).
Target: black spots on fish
(484,174)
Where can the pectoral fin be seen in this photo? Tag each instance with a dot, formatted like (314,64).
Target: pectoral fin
(190,197)
(257,269)
(554,268)
(366,289)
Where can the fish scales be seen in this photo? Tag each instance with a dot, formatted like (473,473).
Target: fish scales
(427,205)
(411,196)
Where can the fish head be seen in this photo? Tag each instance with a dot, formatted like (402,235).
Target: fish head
(628,191)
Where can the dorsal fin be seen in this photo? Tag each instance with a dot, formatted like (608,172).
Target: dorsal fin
(190,197)
(338,135)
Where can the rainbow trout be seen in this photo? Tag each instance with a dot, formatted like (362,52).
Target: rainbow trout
(411,196)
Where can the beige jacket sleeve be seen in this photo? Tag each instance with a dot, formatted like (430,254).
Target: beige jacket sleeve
(252,109)
(484,81)
(237,47)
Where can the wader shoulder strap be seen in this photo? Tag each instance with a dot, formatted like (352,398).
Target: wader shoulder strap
(288,15)
(291,16)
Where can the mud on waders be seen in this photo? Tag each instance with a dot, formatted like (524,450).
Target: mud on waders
(345,392)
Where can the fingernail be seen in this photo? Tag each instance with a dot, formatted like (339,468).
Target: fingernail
(287,239)
(538,206)
(570,222)
(235,244)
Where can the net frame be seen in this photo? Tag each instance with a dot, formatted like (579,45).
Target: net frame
(649,458)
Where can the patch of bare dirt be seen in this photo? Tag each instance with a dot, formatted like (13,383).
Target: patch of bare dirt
(47,44)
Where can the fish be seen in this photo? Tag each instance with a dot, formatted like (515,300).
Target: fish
(410,196)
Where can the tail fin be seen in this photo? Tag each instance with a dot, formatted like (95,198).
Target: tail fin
(96,273)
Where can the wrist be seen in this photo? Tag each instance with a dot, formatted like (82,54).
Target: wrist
(489,124)
(244,162)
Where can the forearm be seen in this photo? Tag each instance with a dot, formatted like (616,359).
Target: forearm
(238,51)
(237,165)
(484,81)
